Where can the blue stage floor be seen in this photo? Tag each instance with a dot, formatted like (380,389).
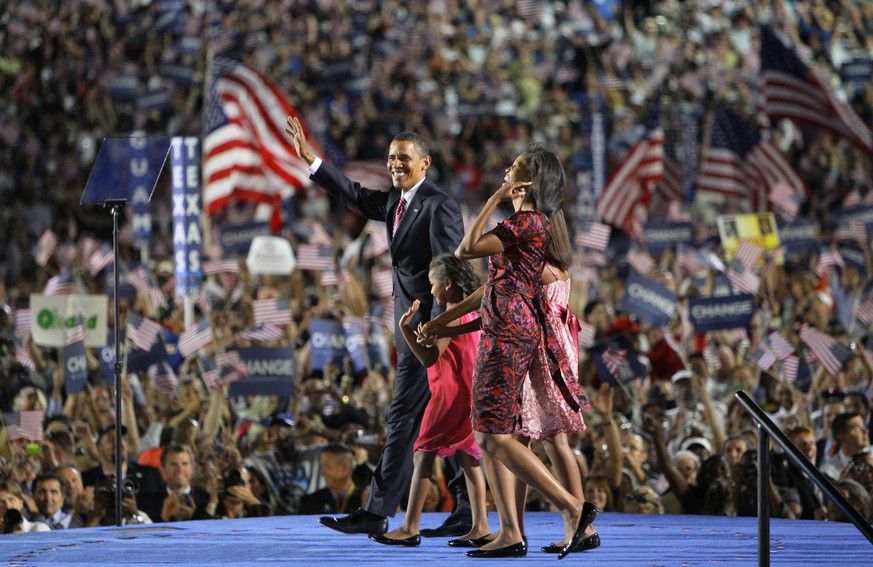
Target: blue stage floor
(628,540)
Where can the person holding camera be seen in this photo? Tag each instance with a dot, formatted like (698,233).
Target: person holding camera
(13,513)
(233,497)
(183,501)
(103,513)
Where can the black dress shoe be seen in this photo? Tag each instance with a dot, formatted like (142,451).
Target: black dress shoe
(590,542)
(475,542)
(411,541)
(589,512)
(452,527)
(358,522)
(515,550)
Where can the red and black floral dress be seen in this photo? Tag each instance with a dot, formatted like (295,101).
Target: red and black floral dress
(512,314)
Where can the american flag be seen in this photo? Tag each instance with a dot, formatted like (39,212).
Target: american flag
(786,198)
(165,380)
(100,259)
(377,240)
(45,247)
(330,277)
(640,260)
(65,254)
(741,272)
(142,281)
(226,266)
(594,235)
(372,174)
(741,165)
(711,357)
(230,366)
(763,357)
(313,232)
(780,345)
(791,90)
(142,331)
(586,334)
(383,282)
(789,368)
(247,155)
(314,257)
(628,191)
(263,332)
(195,338)
(864,311)
(827,259)
(830,353)
(61,284)
(23,425)
(22,355)
(76,333)
(275,310)
(854,231)
(691,259)
(23,322)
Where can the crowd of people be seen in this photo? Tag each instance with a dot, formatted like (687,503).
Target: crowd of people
(480,80)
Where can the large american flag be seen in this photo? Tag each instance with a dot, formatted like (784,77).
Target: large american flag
(791,90)
(741,165)
(628,191)
(45,247)
(263,332)
(23,425)
(741,272)
(314,257)
(594,235)
(247,155)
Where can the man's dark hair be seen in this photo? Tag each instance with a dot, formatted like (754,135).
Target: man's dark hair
(840,424)
(590,306)
(421,145)
(46,477)
(175,448)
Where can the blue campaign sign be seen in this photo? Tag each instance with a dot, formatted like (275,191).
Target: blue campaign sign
(141,215)
(328,340)
(648,300)
(75,368)
(617,362)
(714,313)
(798,236)
(660,236)
(236,238)
(187,239)
(271,371)
(863,214)
(356,342)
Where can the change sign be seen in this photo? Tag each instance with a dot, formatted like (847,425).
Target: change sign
(271,371)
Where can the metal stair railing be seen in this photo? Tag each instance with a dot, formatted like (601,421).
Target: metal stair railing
(766,430)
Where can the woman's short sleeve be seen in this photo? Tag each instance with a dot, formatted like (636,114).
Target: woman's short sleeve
(511,230)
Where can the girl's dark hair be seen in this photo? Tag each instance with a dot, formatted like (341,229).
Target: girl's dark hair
(461,272)
(548,179)
(559,254)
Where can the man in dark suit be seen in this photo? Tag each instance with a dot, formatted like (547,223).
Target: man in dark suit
(340,493)
(147,480)
(422,221)
(182,501)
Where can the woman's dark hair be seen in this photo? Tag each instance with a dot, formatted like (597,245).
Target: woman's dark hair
(560,253)
(448,267)
(548,179)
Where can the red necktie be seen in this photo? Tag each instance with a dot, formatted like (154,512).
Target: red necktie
(398,214)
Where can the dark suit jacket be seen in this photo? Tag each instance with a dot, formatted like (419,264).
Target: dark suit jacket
(322,502)
(149,498)
(431,225)
(200,498)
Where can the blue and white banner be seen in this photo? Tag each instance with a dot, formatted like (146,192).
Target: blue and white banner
(187,238)
(598,148)
(140,177)
(617,362)
(798,236)
(365,343)
(648,300)
(236,238)
(862,214)
(660,236)
(271,371)
(714,313)
(328,342)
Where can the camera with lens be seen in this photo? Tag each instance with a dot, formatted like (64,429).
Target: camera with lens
(234,478)
(129,487)
(12,521)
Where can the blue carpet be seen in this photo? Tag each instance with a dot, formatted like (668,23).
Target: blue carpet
(628,540)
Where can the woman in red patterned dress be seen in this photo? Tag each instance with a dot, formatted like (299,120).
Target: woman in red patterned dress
(512,312)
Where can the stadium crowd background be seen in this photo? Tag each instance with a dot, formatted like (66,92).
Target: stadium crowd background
(481,79)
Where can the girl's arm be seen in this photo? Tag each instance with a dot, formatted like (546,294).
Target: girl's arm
(428,354)
(438,326)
